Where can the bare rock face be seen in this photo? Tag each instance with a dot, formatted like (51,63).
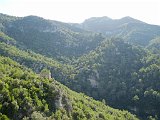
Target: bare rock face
(67,104)
(93,82)
(61,101)
(45,74)
(58,100)
(93,79)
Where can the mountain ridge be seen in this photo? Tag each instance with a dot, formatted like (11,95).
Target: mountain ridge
(133,30)
(58,35)
(121,67)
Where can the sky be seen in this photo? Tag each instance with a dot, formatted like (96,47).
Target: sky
(78,10)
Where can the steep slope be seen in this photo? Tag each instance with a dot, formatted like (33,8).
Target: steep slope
(113,71)
(50,38)
(24,95)
(126,76)
(37,62)
(132,30)
(154,46)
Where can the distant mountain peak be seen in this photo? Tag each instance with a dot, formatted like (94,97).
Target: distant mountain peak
(129,19)
(33,17)
(105,17)
(98,19)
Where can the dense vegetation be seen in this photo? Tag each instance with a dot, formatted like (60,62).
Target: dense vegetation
(154,46)
(132,30)
(24,95)
(116,70)
(127,77)
(59,36)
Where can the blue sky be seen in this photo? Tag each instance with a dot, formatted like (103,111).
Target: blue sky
(79,10)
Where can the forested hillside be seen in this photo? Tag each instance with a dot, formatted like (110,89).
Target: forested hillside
(154,46)
(132,30)
(24,95)
(50,38)
(120,68)
(126,76)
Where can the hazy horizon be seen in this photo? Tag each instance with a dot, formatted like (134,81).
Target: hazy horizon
(77,11)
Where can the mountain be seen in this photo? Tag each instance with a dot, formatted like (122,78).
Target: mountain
(121,69)
(5,19)
(126,76)
(104,24)
(113,71)
(132,30)
(154,46)
(25,95)
(49,37)
(33,60)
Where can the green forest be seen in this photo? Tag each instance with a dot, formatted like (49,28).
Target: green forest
(50,70)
